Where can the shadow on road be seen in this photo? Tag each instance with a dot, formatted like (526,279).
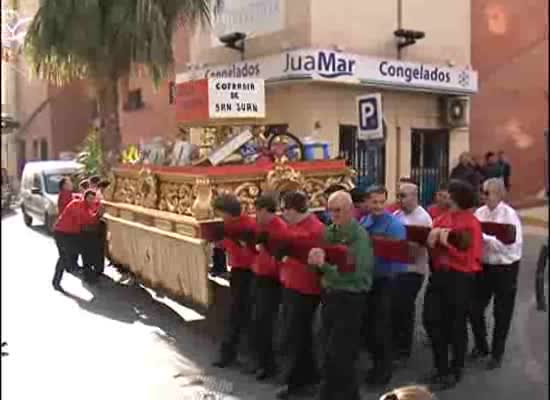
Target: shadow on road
(8,213)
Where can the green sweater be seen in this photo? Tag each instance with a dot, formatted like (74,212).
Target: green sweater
(359,244)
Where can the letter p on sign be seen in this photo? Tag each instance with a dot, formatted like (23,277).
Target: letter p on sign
(369,110)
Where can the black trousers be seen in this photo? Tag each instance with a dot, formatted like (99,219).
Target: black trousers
(90,249)
(379,311)
(498,282)
(341,315)
(446,306)
(240,311)
(67,246)
(300,367)
(219,262)
(267,296)
(102,241)
(407,286)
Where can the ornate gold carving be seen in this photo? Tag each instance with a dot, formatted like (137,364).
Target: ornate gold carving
(283,177)
(147,189)
(247,194)
(202,207)
(109,191)
(125,190)
(315,189)
(176,198)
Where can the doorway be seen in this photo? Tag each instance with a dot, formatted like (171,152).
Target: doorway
(367,158)
(429,161)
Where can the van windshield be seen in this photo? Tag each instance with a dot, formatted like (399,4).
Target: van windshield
(51,181)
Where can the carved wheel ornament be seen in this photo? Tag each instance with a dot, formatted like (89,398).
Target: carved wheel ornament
(283,178)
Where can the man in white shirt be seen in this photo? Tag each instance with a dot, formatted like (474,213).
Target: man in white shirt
(499,276)
(408,284)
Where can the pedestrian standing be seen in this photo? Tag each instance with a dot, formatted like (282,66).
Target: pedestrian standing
(78,214)
(505,168)
(498,281)
(381,223)
(492,168)
(441,205)
(241,258)
(466,171)
(451,285)
(343,298)
(301,297)
(409,283)
(267,287)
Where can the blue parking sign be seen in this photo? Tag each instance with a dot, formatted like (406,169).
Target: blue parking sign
(369,110)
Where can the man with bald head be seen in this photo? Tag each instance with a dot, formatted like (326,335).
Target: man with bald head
(408,283)
(344,298)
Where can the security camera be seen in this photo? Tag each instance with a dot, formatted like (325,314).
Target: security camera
(232,38)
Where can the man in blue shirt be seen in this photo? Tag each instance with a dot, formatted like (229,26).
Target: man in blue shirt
(379,304)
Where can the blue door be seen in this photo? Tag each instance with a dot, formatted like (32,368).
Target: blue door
(367,158)
(429,161)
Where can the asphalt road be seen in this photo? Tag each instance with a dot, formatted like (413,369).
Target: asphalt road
(120,342)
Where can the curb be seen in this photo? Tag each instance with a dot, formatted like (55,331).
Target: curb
(532,221)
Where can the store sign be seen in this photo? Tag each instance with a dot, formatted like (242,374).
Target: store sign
(236,98)
(369,111)
(206,99)
(330,65)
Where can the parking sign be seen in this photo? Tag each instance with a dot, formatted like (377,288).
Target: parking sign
(369,110)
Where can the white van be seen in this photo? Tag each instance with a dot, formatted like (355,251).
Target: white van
(40,188)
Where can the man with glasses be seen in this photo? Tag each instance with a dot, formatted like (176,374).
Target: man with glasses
(499,277)
(408,284)
(381,223)
(343,298)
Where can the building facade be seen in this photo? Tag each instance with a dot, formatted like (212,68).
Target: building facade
(510,112)
(317,57)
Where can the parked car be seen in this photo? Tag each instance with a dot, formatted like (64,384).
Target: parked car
(7,190)
(40,189)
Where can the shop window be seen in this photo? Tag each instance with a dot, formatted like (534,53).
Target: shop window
(134,100)
(43,149)
(172,93)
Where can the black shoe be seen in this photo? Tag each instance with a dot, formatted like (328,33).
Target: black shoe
(57,286)
(494,363)
(439,382)
(264,373)
(477,354)
(284,393)
(223,362)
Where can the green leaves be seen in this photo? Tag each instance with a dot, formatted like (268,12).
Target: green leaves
(91,154)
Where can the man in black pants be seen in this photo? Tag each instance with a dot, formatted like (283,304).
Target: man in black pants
(343,297)
(241,256)
(499,277)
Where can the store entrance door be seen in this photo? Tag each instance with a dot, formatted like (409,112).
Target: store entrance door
(429,161)
(368,158)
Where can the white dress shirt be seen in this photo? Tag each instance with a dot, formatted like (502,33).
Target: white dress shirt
(418,217)
(494,251)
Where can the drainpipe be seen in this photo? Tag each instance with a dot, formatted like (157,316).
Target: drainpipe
(397,124)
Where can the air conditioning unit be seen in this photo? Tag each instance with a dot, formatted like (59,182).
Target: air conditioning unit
(456,111)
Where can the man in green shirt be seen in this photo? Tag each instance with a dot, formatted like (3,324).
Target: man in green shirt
(343,298)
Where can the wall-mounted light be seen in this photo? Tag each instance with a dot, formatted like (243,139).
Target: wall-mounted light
(407,37)
(235,41)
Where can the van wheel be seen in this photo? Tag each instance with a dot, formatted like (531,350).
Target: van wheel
(27,219)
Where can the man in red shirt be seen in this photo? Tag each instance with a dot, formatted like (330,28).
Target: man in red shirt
(241,257)
(441,205)
(452,284)
(65,195)
(77,215)
(267,287)
(301,296)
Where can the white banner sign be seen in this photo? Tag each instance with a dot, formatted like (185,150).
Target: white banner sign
(369,110)
(236,98)
(330,65)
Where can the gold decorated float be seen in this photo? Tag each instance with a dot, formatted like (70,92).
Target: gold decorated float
(159,217)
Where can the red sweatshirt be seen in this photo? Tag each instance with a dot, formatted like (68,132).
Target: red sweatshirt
(265,264)
(76,215)
(450,257)
(296,275)
(240,257)
(64,198)
(435,211)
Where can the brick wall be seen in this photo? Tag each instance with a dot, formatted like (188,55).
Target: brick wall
(510,51)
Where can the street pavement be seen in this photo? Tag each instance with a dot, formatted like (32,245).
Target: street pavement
(123,342)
